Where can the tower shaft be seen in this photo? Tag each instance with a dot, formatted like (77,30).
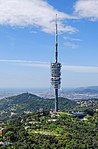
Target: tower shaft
(56,100)
(55,70)
(56,60)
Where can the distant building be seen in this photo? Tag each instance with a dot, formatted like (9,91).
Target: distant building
(1,143)
(53,115)
(1,123)
(78,114)
(5,143)
(2,131)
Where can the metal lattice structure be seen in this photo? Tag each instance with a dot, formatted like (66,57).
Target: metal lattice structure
(56,71)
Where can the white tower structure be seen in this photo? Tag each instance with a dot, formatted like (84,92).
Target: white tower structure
(56,71)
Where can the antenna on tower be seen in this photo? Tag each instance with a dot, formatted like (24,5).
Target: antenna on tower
(56,45)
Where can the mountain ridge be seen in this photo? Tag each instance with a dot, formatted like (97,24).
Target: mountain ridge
(26,102)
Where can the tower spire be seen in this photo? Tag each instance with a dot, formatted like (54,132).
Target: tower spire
(56,70)
(56,45)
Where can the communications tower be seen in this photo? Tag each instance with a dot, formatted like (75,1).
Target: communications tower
(56,70)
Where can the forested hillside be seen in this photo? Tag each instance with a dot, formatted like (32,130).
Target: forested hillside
(15,106)
(45,130)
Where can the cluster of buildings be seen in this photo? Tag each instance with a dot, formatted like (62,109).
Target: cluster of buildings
(86,103)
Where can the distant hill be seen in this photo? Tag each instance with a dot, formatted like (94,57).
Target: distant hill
(14,106)
(70,93)
(87,89)
(81,92)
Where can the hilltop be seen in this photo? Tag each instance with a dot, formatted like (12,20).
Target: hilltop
(14,106)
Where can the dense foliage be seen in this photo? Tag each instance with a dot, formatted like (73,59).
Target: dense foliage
(42,130)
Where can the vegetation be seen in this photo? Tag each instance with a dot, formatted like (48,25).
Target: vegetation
(15,106)
(29,123)
(42,130)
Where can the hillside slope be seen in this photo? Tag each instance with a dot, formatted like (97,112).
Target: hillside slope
(26,102)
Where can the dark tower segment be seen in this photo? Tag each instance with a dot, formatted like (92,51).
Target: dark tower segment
(56,71)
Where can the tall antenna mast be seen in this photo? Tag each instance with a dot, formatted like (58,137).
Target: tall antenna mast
(56,70)
(56,46)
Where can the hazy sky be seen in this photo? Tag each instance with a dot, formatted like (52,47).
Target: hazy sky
(27,39)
